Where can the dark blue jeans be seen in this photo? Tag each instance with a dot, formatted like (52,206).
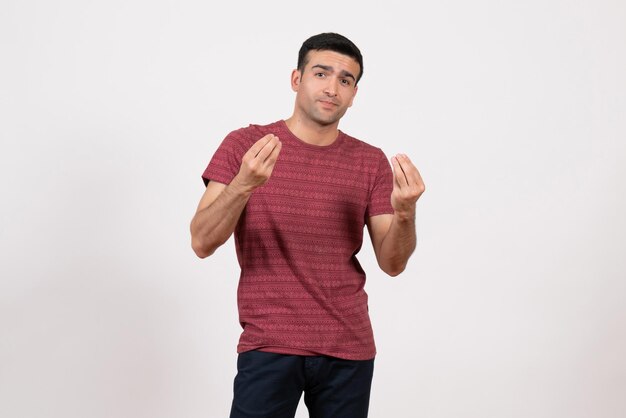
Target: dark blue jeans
(270,385)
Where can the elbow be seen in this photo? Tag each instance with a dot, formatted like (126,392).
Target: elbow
(201,249)
(201,252)
(393,271)
(199,242)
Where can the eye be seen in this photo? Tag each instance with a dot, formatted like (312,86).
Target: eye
(319,75)
(345,82)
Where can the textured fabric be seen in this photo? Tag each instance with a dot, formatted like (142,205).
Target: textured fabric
(301,286)
(270,385)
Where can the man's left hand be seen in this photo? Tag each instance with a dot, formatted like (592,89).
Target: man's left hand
(408,186)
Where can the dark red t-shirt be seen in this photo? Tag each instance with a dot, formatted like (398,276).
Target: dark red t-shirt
(301,286)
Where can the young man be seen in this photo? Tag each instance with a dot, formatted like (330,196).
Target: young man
(297,193)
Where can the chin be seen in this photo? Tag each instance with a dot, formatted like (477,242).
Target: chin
(324,120)
(328,121)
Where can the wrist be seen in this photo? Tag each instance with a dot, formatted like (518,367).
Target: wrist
(241,188)
(405,215)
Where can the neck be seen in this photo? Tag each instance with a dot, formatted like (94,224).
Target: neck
(312,133)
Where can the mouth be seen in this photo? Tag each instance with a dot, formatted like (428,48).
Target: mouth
(328,103)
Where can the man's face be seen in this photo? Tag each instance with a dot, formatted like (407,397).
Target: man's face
(326,87)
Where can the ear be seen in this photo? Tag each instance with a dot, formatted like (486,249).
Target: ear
(356,88)
(296,78)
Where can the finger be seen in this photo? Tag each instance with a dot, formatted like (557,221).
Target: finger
(410,171)
(258,145)
(264,147)
(417,178)
(398,172)
(271,159)
(267,150)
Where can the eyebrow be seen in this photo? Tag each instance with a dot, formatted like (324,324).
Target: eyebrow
(328,68)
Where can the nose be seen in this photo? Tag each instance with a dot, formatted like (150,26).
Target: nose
(331,87)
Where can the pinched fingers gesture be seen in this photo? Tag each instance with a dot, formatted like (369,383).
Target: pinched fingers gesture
(258,162)
(408,185)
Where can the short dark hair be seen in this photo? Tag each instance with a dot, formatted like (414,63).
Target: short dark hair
(330,42)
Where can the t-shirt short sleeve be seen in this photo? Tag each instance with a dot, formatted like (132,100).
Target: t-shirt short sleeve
(226,161)
(380,197)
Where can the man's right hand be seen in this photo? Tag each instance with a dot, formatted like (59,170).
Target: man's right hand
(221,205)
(258,163)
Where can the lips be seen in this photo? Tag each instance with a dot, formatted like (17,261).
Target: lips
(329,103)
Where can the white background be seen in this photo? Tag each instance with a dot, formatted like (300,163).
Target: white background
(514,112)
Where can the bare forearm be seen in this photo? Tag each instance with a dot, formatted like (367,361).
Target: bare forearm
(212,226)
(398,244)
(219,211)
(394,236)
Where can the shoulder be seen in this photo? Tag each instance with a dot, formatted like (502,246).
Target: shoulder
(245,137)
(254,130)
(362,149)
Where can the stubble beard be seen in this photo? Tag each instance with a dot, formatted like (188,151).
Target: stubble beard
(325,119)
